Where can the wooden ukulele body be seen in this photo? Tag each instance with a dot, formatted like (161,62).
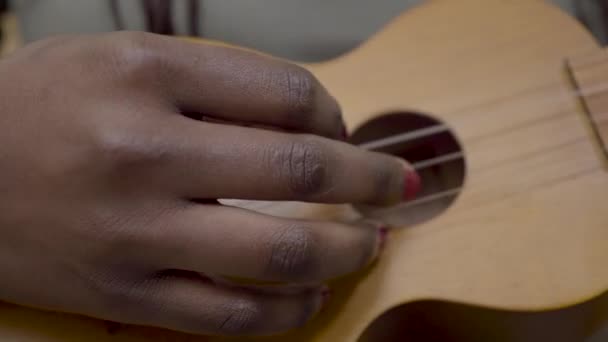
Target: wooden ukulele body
(527,235)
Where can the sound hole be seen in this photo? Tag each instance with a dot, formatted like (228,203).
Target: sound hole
(433,150)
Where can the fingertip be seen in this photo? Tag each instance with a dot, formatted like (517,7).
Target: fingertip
(381,232)
(323,297)
(382,235)
(412,184)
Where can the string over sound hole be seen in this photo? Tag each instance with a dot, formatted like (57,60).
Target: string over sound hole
(432,149)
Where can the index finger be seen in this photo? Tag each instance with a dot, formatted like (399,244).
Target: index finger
(239,85)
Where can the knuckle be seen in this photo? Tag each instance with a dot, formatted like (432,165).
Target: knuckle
(54,41)
(119,148)
(305,166)
(301,91)
(241,316)
(53,48)
(132,53)
(128,148)
(133,37)
(293,253)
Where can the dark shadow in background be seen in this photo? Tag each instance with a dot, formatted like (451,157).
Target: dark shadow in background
(430,321)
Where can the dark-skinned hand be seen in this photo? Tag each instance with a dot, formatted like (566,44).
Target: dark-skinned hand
(107,182)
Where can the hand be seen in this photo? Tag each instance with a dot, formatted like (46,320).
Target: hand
(105,177)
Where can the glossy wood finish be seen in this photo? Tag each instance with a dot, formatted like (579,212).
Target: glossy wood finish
(529,231)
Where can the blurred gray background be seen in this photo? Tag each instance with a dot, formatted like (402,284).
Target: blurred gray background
(304,30)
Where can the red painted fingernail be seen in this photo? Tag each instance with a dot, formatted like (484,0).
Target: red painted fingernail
(412,185)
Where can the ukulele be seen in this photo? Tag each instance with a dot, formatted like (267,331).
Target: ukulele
(502,106)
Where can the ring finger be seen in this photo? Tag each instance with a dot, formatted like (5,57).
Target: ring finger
(233,242)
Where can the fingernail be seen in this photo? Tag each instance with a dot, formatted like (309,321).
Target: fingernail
(382,235)
(412,185)
(383,232)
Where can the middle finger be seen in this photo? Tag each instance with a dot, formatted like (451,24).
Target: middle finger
(224,161)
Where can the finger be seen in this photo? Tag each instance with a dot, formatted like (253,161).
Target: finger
(238,243)
(238,85)
(222,161)
(193,305)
